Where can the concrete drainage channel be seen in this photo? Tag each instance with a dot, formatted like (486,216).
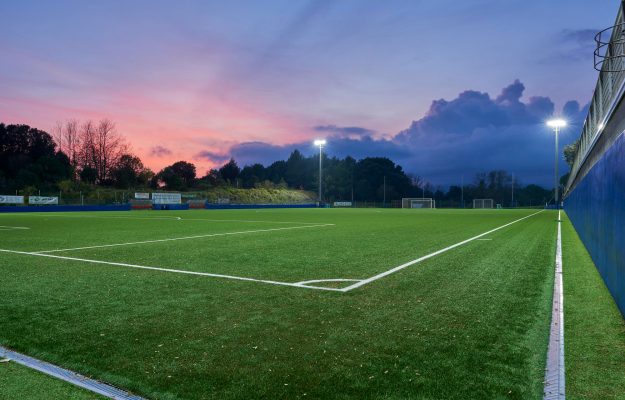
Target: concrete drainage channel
(68,376)
(554,372)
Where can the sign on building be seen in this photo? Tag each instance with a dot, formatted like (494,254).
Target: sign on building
(166,198)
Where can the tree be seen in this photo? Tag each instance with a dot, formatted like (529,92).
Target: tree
(230,171)
(570,152)
(88,175)
(178,176)
(186,171)
(127,172)
(101,147)
(28,157)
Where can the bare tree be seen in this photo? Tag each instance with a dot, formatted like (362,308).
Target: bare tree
(101,147)
(57,134)
(71,140)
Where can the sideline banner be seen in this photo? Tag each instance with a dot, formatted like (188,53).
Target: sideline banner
(166,198)
(342,204)
(11,199)
(42,200)
(142,196)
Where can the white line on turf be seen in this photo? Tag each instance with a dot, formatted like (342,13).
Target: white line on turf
(484,239)
(554,373)
(166,218)
(302,284)
(6,227)
(185,238)
(418,260)
(177,271)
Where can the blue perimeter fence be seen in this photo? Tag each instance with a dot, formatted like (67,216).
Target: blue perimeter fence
(596,207)
(127,207)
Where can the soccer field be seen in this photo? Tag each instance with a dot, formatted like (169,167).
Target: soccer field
(285,303)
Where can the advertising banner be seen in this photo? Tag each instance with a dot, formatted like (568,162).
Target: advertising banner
(166,198)
(42,200)
(11,199)
(142,196)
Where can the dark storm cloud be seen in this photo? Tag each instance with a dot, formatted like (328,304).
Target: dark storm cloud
(460,137)
(160,151)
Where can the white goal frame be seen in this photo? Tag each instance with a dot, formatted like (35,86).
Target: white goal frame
(425,202)
(483,203)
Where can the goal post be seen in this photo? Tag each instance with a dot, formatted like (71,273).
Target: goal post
(414,202)
(483,203)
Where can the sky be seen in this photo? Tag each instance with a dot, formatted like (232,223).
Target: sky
(444,88)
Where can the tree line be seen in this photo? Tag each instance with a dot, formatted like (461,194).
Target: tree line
(94,153)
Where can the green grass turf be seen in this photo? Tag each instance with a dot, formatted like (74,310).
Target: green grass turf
(18,382)
(594,328)
(469,323)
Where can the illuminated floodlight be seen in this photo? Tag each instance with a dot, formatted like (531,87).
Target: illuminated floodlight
(556,123)
(320,143)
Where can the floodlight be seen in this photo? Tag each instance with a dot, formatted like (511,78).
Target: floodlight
(320,142)
(556,123)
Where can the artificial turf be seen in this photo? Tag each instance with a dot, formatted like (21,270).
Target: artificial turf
(594,328)
(18,382)
(469,323)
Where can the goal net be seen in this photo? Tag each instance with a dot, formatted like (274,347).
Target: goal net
(482,203)
(418,203)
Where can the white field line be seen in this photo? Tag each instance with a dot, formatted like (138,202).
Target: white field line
(6,227)
(167,218)
(177,271)
(418,260)
(554,372)
(184,238)
(301,284)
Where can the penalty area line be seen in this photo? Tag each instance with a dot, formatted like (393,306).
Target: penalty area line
(420,259)
(176,271)
(184,238)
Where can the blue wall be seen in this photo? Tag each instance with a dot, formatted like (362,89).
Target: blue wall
(123,207)
(597,209)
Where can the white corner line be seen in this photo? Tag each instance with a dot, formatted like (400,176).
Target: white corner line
(420,259)
(176,271)
(183,238)
(554,388)
(66,375)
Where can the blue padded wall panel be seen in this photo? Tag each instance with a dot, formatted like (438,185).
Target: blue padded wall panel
(121,207)
(596,208)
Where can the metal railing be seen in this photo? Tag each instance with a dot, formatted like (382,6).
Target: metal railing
(609,59)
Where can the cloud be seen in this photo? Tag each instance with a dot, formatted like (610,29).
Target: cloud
(344,131)
(471,133)
(212,156)
(160,151)
(573,45)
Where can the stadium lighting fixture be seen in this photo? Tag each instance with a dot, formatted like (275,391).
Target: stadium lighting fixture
(320,143)
(556,124)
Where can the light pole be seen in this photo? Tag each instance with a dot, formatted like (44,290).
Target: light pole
(556,124)
(320,143)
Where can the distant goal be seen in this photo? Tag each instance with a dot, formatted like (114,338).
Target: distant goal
(483,203)
(418,203)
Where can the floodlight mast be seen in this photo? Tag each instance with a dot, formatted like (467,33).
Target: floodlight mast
(320,143)
(556,124)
